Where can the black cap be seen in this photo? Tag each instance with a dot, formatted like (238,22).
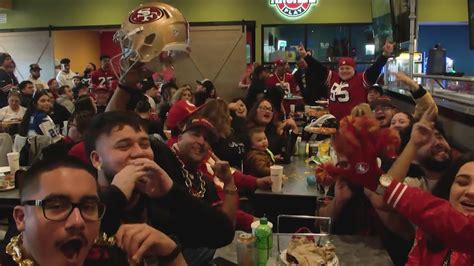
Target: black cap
(35,67)
(65,61)
(147,83)
(377,88)
(206,83)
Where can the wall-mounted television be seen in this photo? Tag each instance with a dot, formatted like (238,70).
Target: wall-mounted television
(382,23)
(401,20)
(391,21)
(470,8)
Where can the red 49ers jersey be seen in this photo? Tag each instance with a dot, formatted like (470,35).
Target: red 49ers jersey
(102,77)
(287,80)
(344,95)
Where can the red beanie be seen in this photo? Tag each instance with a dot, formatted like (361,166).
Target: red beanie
(346,61)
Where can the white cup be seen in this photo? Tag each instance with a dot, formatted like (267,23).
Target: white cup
(65,129)
(292,108)
(255,224)
(276,172)
(13,162)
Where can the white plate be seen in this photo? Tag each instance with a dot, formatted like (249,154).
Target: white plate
(4,169)
(294,97)
(333,262)
(322,102)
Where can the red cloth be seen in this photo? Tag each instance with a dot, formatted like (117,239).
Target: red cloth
(420,255)
(346,61)
(362,140)
(79,151)
(434,216)
(102,78)
(344,95)
(180,111)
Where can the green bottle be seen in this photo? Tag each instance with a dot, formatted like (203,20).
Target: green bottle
(263,233)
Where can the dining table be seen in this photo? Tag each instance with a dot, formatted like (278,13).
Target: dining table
(297,197)
(350,250)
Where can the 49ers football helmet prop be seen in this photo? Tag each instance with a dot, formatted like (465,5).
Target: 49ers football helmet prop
(151,34)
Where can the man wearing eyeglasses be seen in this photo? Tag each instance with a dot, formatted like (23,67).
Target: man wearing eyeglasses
(59,221)
(59,217)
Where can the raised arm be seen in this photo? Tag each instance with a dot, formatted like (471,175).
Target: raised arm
(130,83)
(423,98)
(314,66)
(421,134)
(433,215)
(373,72)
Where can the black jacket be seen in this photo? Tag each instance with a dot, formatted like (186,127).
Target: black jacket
(230,149)
(5,79)
(312,88)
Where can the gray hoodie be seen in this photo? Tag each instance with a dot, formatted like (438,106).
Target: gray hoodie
(66,102)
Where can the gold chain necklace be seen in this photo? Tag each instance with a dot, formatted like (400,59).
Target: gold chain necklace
(14,250)
(279,80)
(189,178)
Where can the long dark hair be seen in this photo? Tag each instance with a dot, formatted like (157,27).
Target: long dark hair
(84,103)
(443,189)
(25,122)
(252,114)
(216,111)
(275,96)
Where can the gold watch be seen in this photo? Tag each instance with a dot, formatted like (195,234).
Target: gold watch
(384,182)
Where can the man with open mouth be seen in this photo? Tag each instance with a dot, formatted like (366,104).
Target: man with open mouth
(59,216)
(59,221)
(384,110)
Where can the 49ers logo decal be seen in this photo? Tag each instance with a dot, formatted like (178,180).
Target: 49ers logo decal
(293,8)
(145,14)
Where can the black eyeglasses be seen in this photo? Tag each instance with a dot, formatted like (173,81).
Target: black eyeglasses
(59,209)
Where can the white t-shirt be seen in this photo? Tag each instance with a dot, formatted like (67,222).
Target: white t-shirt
(7,114)
(39,84)
(66,78)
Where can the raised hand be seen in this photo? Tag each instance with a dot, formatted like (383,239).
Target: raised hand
(126,178)
(402,77)
(388,48)
(135,75)
(301,50)
(222,171)
(139,240)
(422,132)
(155,182)
(429,116)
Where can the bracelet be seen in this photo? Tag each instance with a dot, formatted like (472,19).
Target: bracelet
(230,191)
(173,255)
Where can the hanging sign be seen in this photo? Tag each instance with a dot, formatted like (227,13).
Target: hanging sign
(293,9)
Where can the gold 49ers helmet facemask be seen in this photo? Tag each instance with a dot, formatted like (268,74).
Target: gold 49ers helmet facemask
(153,33)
